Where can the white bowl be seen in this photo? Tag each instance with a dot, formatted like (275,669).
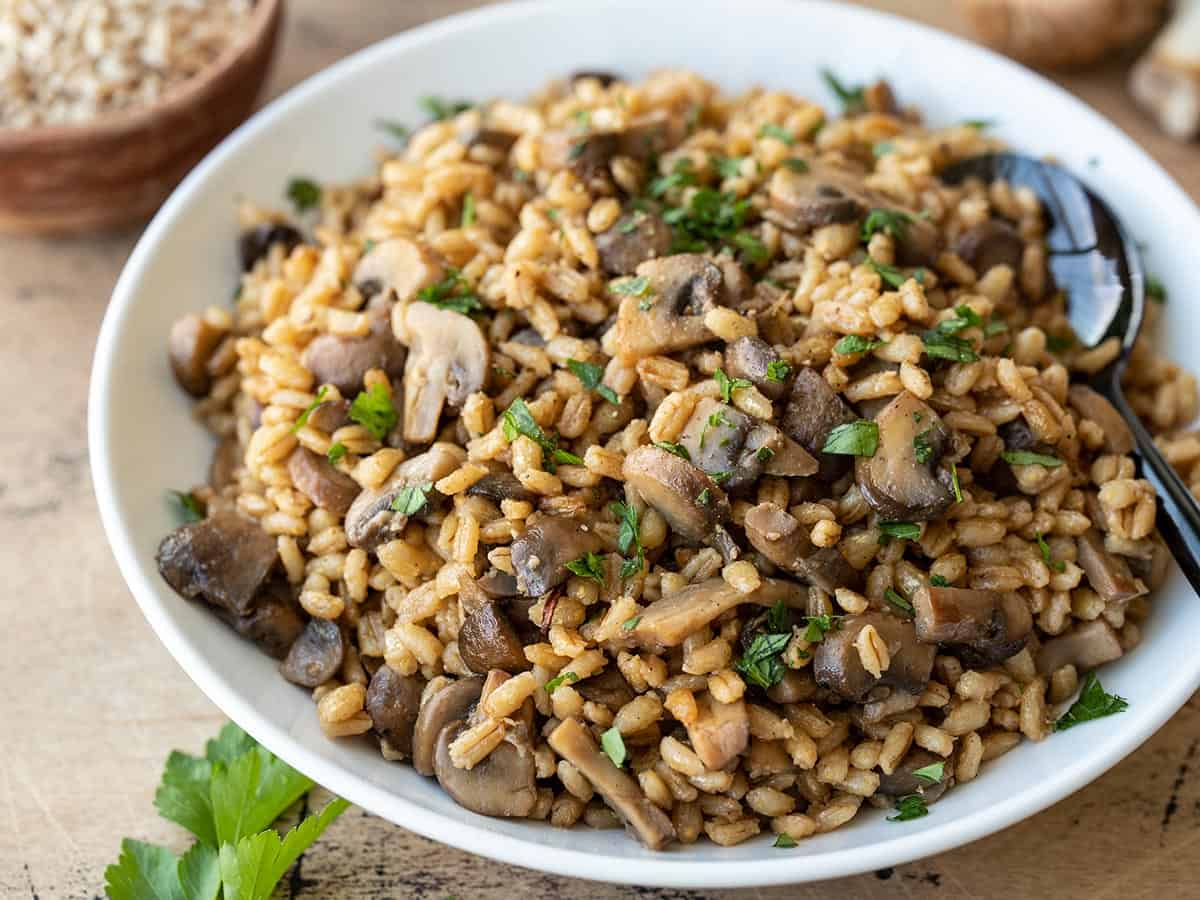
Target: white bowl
(144,442)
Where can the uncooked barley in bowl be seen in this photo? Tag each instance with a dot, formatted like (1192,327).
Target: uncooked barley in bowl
(643,454)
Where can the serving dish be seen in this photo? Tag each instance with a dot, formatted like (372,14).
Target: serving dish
(187,257)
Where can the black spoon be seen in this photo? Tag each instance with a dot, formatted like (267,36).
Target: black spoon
(1095,261)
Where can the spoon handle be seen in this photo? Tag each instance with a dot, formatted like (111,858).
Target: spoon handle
(1178,512)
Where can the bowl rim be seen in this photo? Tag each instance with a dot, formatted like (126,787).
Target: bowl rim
(657,870)
(263,18)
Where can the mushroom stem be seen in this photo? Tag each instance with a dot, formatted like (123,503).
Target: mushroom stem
(1166,80)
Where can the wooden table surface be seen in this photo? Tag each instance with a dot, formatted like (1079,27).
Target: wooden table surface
(93,703)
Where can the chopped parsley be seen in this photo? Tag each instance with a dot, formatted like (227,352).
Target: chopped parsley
(964,317)
(373,410)
(1155,290)
(704,497)
(852,97)
(1057,565)
(336,452)
(938,581)
(440,109)
(613,746)
(904,531)
(304,193)
(796,164)
(958,494)
(753,250)
(728,166)
(631,287)
(932,773)
(859,438)
(412,499)
(629,538)
(678,449)
(994,327)
(760,665)
(188,506)
(518,420)
(979,124)
(710,217)
(468,210)
(1028,458)
(720,477)
(771,130)
(892,222)
(630,624)
(398,130)
(559,680)
(302,419)
(819,626)
(1093,703)
(853,343)
(590,375)
(784,842)
(683,175)
(778,370)
(947,346)
(590,565)
(910,806)
(883,148)
(921,447)
(583,118)
(728,385)
(893,276)
(451,293)
(764,454)
(898,600)
(715,420)
(778,618)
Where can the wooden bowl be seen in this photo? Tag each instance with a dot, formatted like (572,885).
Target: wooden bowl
(117,169)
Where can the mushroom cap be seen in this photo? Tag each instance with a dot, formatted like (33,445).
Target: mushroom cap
(502,784)
(541,552)
(487,640)
(822,195)
(319,480)
(676,488)
(397,268)
(990,243)
(902,781)
(393,703)
(274,623)
(749,357)
(316,656)
(981,627)
(448,361)
(255,242)
(813,410)
(344,361)
(892,481)
(223,559)
(371,521)
(837,666)
(444,705)
(190,345)
(1085,646)
(632,240)
(681,289)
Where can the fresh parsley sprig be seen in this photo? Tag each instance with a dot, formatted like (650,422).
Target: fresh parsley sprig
(1093,703)
(591,375)
(518,420)
(629,538)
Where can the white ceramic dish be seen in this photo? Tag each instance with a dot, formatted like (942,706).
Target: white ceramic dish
(144,442)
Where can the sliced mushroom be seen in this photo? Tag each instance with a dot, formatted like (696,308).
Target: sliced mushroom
(892,481)
(343,361)
(190,345)
(813,410)
(609,688)
(223,560)
(573,742)
(606,79)
(879,98)
(487,640)
(498,584)
(692,504)
(1118,438)
(821,195)
(680,290)
(371,521)
(254,243)
(1153,569)
(492,138)
(316,656)
(1107,573)
(330,415)
(397,269)
(503,783)
(903,782)
(796,686)
(779,536)
(751,358)
(541,553)
(670,619)
(827,569)
(393,702)
(450,703)
(837,666)
(1085,646)
(501,484)
(987,626)
(636,237)
(736,449)
(321,482)
(448,361)
(876,709)
(275,621)
(226,460)
(1017,435)
(993,242)
(720,732)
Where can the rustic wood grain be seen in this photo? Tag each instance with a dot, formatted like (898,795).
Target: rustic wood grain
(93,704)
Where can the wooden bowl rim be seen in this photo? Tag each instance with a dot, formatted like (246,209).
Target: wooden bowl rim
(262,20)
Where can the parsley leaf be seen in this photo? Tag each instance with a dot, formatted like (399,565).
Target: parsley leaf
(451,293)
(678,449)
(188,506)
(944,346)
(1029,458)
(892,222)
(373,410)
(1093,703)
(728,385)
(891,275)
(771,130)
(932,773)
(910,806)
(304,193)
(710,217)
(631,287)
(778,370)
(146,872)
(785,842)
(819,626)
(398,130)
(590,375)
(859,438)
(979,124)
(412,499)
(613,745)
(922,449)
(760,665)
(796,165)
(251,792)
(728,166)
(994,327)
(628,537)
(852,97)
(853,343)
(753,250)
(630,624)
(883,148)
(468,210)
(906,531)
(439,109)
(898,600)
(1056,343)
(680,177)
(938,581)
(558,680)
(1057,565)
(518,420)
(336,452)
(958,494)
(1155,290)
(778,619)
(590,565)
(302,419)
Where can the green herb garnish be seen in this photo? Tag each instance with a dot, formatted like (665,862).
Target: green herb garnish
(412,499)
(709,218)
(704,497)
(853,343)
(778,132)
(994,327)
(891,275)
(753,250)
(613,745)
(1057,565)
(760,665)
(683,175)
(979,124)
(859,438)
(1155,290)
(1028,458)
(302,419)
(558,680)
(451,293)
(678,449)
(728,385)
(898,600)
(439,109)
(336,452)
(905,531)
(852,97)
(938,581)
(946,346)
(728,166)
(304,193)
(784,842)
(796,165)
(590,565)
(1093,703)
(188,506)
(631,287)
(1059,343)
(910,806)
(518,420)
(892,222)
(932,773)
(629,538)
(958,494)
(819,626)
(630,624)
(373,410)
(778,370)
(468,210)
(922,449)
(590,375)
(764,454)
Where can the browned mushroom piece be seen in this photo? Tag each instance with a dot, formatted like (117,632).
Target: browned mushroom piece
(918,241)
(670,619)
(689,500)
(317,654)
(609,688)
(226,460)
(321,482)
(993,242)
(890,703)
(503,783)
(635,238)
(396,269)
(606,79)
(903,781)
(498,584)
(343,361)
(448,360)
(893,481)
(330,415)
(821,195)
(588,156)
(487,640)
(371,521)
(439,708)
(191,343)
(493,138)
(837,666)
(879,98)
(751,358)
(274,622)
(501,484)
(1017,435)
(1153,568)
(796,686)
(813,410)
(1107,573)
(393,703)
(223,560)
(680,290)
(1118,438)
(541,553)
(255,242)
(984,627)
(1085,646)
(573,742)
(720,732)
(779,536)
